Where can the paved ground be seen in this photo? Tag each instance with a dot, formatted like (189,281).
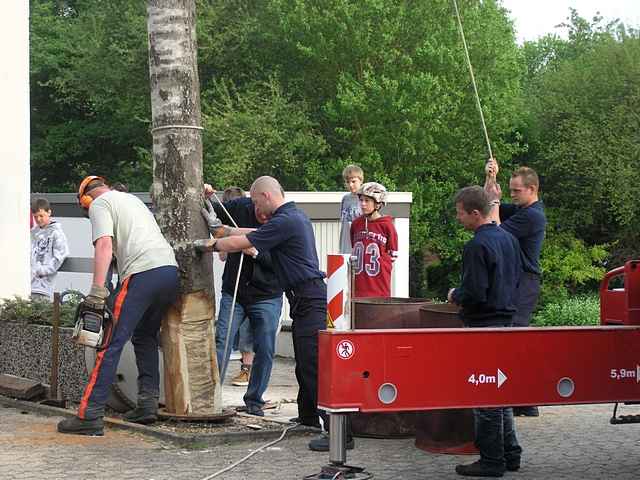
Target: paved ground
(564,443)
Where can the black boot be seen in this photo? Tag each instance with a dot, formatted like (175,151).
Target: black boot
(480,469)
(78,426)
(321,444)
(145,413)
(310,422)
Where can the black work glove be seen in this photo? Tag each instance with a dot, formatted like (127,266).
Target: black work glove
(209,215)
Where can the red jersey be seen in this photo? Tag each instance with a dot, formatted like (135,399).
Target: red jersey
(375,244)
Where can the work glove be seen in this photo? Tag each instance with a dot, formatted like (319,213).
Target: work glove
(209,214)
(97,297)
(205,245)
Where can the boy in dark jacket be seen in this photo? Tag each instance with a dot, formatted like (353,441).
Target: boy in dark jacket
(491,270)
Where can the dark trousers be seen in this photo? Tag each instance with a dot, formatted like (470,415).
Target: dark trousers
(527,299)
(308,309)
(495,432)
(139,307)
(496,436)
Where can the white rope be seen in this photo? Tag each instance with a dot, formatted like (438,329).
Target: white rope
(244,459)
(167,127)
(473,79)
(233,301)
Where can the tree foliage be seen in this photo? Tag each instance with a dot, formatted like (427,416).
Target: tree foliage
(584,97)
(89,92)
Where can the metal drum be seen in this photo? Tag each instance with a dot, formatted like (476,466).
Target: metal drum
(385,313)
(444,431)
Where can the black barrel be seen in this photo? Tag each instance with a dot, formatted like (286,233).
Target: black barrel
(444,431)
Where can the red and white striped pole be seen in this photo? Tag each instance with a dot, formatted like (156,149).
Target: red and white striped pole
(338,292)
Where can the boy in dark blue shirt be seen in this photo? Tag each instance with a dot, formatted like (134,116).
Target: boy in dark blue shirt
(491,269)
(525,220)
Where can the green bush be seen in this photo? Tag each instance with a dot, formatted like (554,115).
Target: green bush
(22,310)
(580,310)
(569,267)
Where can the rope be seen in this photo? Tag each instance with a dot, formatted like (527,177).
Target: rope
(244,459)
(166,127)
(233,301)
(473,79)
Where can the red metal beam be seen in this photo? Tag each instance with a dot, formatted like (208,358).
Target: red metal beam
(461,368)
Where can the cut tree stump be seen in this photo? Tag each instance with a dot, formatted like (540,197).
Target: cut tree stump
(19,387)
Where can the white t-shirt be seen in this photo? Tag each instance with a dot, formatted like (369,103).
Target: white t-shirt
(138,243)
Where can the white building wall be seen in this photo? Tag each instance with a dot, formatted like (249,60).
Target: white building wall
(14,150)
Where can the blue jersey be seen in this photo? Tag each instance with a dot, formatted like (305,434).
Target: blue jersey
(289,237)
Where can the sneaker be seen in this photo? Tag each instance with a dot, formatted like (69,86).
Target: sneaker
(242,379)
(321,444)
(479,469)
(255,410)
(82,427)
(143,416)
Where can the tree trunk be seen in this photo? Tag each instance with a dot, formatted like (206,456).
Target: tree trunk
(191,377)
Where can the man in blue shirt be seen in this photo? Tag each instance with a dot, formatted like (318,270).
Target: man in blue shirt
(491,269)
(525,220)
(288,237)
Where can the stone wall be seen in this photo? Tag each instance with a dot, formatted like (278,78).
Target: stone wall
(25,351)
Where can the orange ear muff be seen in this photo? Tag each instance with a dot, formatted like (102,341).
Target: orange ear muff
(85,200)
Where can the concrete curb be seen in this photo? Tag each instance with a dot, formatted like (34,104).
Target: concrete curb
(182,440)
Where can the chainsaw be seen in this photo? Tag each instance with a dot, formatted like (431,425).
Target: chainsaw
(91,324)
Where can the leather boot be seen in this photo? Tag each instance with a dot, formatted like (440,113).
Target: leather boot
(79,426)
(145,413)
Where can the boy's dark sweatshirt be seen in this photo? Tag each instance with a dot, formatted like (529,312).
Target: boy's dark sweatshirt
(491,269)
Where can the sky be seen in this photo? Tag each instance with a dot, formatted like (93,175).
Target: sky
(535,18)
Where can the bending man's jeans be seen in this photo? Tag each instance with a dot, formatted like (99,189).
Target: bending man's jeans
(244,340)
(263,316)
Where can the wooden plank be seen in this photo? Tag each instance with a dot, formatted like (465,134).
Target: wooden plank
(19,387)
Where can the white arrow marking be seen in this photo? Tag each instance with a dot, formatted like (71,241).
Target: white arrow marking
(501,378)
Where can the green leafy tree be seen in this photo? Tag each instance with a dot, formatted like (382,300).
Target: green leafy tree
(89,93)
(259,131)
(584,98)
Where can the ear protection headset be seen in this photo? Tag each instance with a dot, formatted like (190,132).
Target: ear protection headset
(85,200)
